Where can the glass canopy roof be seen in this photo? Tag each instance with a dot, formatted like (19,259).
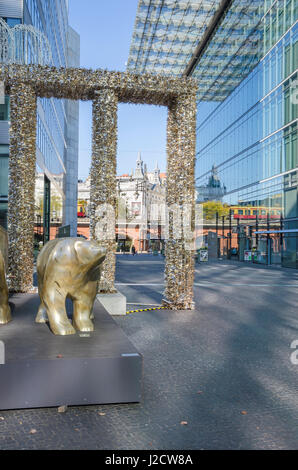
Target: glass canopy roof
(167,33)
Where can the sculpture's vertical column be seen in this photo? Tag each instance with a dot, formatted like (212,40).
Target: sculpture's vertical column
(181,143)
(103,180)
(21,194)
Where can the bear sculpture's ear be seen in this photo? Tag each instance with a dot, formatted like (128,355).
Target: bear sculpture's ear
(89,252)
(94,273)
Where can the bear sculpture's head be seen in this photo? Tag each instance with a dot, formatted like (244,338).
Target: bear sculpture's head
(89,252)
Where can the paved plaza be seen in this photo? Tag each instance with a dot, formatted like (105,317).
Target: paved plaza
(218,377)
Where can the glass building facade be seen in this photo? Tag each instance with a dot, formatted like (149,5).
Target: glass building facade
(167,32)
(51,19)
(247,111)
(251,138)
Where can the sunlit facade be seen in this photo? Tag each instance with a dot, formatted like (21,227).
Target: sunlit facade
(247,107)
(251,137)
(57,120)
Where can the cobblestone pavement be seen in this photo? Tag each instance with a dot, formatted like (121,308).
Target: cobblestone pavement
(224,369)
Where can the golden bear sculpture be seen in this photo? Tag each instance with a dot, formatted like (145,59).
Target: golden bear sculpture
(5,315)
(68,267)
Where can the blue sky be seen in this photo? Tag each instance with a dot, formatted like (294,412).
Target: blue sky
(105,28)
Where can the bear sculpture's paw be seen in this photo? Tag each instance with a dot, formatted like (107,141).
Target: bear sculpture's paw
(63,329)
(5,314)
(41,316)
(83,324)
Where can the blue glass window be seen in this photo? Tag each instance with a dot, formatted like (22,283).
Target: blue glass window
(12,21)
(4,153)
(4,110)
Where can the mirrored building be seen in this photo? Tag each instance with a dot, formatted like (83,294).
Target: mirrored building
(37,31)
(244,55)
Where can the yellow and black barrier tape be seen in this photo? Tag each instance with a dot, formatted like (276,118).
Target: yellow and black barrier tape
(145,309)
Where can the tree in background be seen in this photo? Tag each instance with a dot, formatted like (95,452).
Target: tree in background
(39,207)
(56,206)
(211,207)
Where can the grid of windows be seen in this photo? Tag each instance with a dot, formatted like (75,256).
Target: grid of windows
(47,147)
(247,99)
(4,154)
(4,109)
(252,135)
(167,32)
(53,22)
(50,23)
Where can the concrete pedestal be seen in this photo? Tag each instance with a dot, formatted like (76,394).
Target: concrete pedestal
(115,304)
(44,370)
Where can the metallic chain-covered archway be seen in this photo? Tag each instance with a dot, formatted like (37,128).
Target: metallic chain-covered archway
(105,89)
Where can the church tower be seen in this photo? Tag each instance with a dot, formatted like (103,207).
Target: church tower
(139,172)
(156,175)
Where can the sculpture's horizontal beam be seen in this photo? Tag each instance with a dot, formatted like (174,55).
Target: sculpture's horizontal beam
(106,89)
(81,84)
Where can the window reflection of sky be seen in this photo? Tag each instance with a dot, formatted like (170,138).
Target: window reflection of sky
(240,135)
